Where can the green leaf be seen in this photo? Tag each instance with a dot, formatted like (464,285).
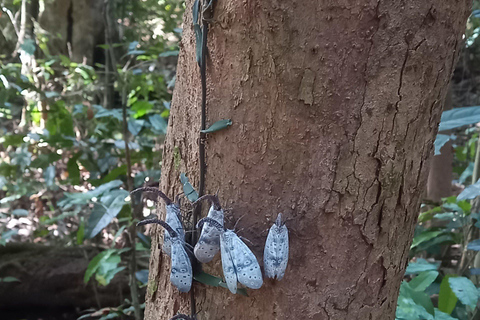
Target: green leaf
(115,173)
(141,107)
(190,192)
(440,141)
(459,117)
(142,276)
(420,265)
(159,124)
(465,291)
(103,214)
(439,315)
(20,212)
(213,281)
(14,140)
(49,176)
(199,41)
(424,236)
(9,279)
(420,298)
(28,46)
(470,192)
(7,235)
(219,125)
(172,53)
(423,280)
(81,232)
(195,10)
(95,263)
(467,173)
(44,160)
(474,245)
(73,169)
(446,298)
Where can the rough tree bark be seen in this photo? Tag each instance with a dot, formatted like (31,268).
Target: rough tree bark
(335,105)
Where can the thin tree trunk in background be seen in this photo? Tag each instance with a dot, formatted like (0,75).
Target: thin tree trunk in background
(440,178)
(335,106)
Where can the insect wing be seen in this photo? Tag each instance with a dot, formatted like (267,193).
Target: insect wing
(281,242)
(181,273)
(209,242)
(226,247)
(172,218)
(269,254)
(245,263)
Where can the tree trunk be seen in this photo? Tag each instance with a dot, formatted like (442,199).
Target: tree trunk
(335,105)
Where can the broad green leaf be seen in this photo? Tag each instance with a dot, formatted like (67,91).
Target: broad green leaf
(7,235)
(189,191)
(49,176)
(465,291)
(20,212)
(135,126)
(420,298)
(213,281)
(423,280)
(195,10)
(470,192)
(14,140)
(199,41)
(446,298)
(439,315)
(159,125)
(115,173)
(172,53)
(104,213)
(73,169)
(420,265)
(81,232)
(141,107)
(28,46)
(424,236)
(474,245)
(459,117)
(441,140)
(9,279)
(219,125)
(95,263)
(142,275)
(467,173)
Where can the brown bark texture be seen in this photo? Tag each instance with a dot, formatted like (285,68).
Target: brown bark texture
(335,105)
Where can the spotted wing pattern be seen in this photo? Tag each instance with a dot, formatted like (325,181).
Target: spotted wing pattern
(209,242)
(226,248)
(172,218)
(275,255)
(181,272)
(245,263)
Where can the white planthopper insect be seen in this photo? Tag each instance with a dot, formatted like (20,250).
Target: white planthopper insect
(172,218)
(209,242)
(181,273)
(238,261)
(275,255)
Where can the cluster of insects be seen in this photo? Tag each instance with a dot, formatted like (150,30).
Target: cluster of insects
(239,264)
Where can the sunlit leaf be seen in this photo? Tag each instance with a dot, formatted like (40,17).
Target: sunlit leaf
(446,298)
(459,117)
(423,280)
(470,192)
(420,265)
(465,291)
